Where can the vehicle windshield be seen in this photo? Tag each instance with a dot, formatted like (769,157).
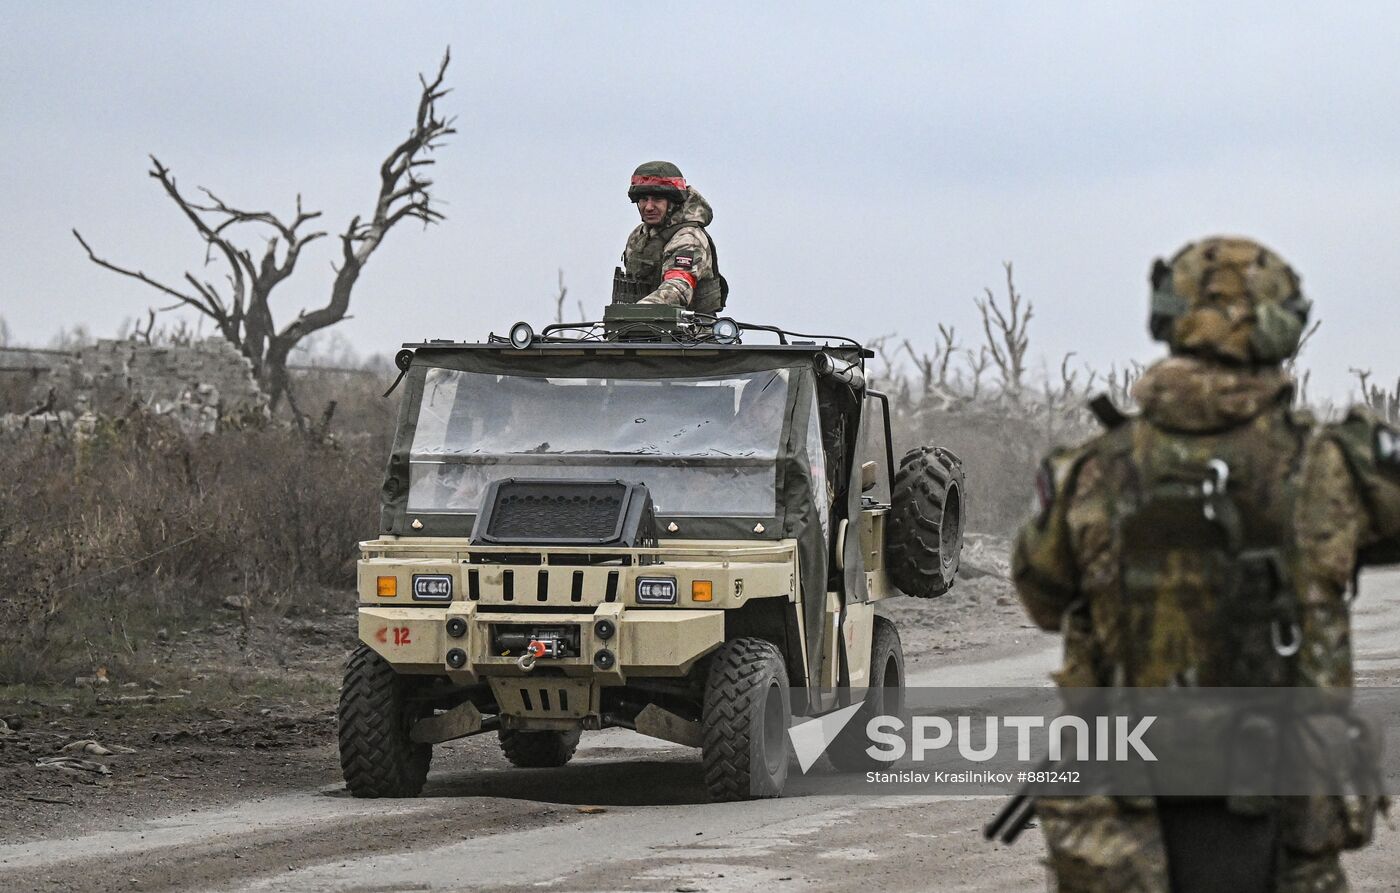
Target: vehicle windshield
(703,446)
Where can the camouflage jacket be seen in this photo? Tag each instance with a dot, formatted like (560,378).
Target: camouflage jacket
(1326,494)
(683,268)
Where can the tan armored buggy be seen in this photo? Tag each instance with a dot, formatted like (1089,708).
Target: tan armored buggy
(648,522)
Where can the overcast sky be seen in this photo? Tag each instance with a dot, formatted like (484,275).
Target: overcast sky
(870,165)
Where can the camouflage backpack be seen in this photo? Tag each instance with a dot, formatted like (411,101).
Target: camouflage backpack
(1203,524)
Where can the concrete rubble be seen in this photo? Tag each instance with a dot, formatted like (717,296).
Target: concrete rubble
(199,385)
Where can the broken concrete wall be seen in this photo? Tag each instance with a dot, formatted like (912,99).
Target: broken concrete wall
(199,384)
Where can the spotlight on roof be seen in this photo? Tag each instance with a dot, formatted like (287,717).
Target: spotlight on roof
(726,331)
(521,335)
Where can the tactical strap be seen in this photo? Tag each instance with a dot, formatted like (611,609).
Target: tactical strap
(1109,415)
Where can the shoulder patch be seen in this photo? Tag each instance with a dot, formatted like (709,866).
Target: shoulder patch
(684,261)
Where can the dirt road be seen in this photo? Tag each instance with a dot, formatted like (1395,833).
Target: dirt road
(628,814)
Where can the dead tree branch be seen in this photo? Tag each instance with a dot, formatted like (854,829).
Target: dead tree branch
(1006,336)
(977,364)
(241,306)
(559,300)
(1308,334)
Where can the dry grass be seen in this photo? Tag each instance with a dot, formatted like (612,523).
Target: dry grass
(106,539)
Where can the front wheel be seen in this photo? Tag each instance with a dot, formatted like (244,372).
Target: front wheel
(376,716)
(884,697)
(745,721)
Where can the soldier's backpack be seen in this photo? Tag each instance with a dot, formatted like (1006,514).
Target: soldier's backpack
(1207,559)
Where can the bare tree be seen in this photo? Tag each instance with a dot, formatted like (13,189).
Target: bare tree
(241,308)
(559,300)
(977,364)
(926,363)
(1120,382)
(1383,403)
(1069,383)
(1008,343)
(933,367)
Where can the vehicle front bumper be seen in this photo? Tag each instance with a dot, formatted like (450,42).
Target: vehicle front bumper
(646,642)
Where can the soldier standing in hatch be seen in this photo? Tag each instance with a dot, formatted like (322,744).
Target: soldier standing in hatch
(1141,609)
(669,258)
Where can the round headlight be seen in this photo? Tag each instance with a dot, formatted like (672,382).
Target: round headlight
(726,331)
(521,335)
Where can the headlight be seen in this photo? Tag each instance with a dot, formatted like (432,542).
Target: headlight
(432,587)
(656,590)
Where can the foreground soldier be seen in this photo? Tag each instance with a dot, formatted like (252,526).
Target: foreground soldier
(669,258)
(1141,608)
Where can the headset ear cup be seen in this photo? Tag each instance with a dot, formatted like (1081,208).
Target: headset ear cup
(1160,273)
(1278,332)
(1167,308)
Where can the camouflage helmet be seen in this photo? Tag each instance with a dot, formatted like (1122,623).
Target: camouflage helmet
(1230,299)
(657,178)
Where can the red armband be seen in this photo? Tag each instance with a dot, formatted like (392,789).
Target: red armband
(679,274)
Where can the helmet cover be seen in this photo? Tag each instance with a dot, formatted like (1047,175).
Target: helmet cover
(660,178)
(1228,298)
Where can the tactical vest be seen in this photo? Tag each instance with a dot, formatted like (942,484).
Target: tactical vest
(1207,557)
(643,274)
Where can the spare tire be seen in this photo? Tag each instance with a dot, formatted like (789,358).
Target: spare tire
(923,540)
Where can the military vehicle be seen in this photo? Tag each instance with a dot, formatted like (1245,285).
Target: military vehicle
(652,522)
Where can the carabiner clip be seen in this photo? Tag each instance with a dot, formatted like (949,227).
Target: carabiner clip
(1295,639)
(1213,486)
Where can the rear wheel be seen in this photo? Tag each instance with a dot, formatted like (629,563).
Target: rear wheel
(538,750)
(923,541)
(745,721)
(376,716)
(885,696)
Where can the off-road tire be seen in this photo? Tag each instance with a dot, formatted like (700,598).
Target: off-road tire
(538,750)
(885,696)
(923,540)
(744,721)
(377,756)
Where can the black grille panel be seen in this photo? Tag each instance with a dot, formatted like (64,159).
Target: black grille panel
(584,513)
(524,511)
